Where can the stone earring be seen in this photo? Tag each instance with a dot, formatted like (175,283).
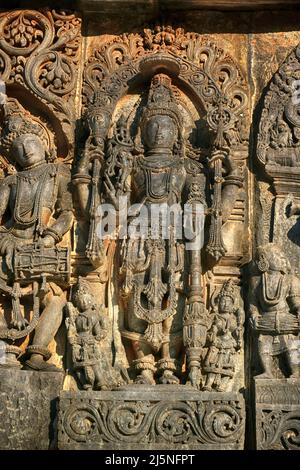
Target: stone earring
(262,264)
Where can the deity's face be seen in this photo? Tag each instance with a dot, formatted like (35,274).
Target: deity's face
(160,132)
(225,304)
(84,301)
(28,150)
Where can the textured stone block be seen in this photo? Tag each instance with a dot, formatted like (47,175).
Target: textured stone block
(28,409)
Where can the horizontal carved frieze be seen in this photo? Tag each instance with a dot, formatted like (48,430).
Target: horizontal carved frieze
(136,416)
(277,413)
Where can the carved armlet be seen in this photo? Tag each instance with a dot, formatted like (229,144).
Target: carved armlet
(233,180)
(54,234)
(81,178)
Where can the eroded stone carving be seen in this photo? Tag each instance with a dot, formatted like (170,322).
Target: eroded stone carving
(225,339)
(277,413)
(198,421)
(203,65)
(27,409)
(274,288)
(278,139)
(158,165)
(163,170)
(39,52)
(274,311)
(180,140)
(36,210)
(88,327)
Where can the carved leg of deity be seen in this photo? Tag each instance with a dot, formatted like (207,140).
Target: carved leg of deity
(144,364)
(223,384)
(89,378)
(100,382)
(49,322)
(292,359)
(166,365)
(266,358)
(266,362)
(210,378)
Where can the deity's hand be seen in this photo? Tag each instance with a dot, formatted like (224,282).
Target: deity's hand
(84,164)
(253,321)
(230,166)
(292,209)
(19,322)
(111,192)
(47,242)
(298,313)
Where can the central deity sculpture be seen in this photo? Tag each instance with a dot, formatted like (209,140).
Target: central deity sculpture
(161,287)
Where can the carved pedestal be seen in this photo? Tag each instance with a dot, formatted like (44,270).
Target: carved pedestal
(28,409)
(147,417)
(277,414)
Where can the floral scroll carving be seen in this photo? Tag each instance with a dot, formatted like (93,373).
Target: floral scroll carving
(177,423)
(40,51)
(214,75)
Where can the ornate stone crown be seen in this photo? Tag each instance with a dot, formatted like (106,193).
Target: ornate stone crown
(227,290)
(161,100)
(17,121)
(81,289)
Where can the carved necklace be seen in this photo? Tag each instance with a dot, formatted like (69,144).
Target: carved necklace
(157,165)
(149,189)
(271,300)
(21,178)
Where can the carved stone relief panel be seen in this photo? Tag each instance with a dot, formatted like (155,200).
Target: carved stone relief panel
(149,247)
(274,288)
(277,147)
(277,414)
(111,420)
(193,92)
(149,304)
(40,53)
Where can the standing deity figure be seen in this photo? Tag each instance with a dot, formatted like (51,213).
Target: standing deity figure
(224,340)
(275,310)
(161,294)
(36,211)
(87,327)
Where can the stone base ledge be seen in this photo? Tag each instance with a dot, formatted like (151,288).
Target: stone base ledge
(277,414)
(151,417)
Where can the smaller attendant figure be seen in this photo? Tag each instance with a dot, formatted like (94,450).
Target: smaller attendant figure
(224,340)
(87,327)
(275,311)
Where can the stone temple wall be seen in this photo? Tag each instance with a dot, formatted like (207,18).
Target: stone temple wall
(149,235)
